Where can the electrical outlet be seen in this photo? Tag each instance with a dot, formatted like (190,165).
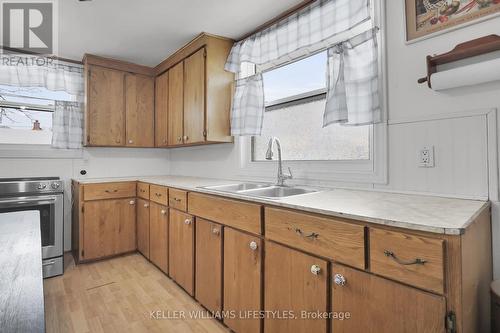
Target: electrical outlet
(426,157)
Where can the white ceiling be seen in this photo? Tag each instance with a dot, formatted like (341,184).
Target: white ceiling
(147,31)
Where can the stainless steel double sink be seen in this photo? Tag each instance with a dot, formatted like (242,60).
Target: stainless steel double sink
(262,190)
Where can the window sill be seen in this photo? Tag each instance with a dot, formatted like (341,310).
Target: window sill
(38,151)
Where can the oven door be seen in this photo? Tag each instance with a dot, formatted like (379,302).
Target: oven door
(51,219)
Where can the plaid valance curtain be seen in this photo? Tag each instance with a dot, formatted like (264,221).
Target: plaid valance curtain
(317,25)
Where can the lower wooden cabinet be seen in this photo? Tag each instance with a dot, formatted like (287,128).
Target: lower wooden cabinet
(375,304)
(208,264)
(143,227)
(296,287)
(242,280)
(158,235)
(109,228)
(181,249)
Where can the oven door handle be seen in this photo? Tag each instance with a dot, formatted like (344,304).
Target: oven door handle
(26,201)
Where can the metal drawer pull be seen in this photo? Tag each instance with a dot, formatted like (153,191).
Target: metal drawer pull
(163,212)
(108,191)
(339,280)
(253,245)
(49,263)
(311,235)
(146,205)
(187,221)
(417,261)
(158,194)
(215,231)
(132,202)
(177,199)
(315,269)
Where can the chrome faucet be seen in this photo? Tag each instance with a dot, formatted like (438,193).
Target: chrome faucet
(269,156)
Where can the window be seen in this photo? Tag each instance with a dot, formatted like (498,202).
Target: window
(295,102)
(26,114)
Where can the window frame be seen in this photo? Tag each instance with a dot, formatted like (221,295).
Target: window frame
(373,171)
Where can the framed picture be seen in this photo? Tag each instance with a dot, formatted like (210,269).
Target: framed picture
(425,18)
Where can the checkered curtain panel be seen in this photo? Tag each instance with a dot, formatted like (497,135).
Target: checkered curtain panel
(353,83)
(67,125)
(315,24)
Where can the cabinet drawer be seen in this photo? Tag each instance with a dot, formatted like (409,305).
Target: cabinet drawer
(109,190)
(237,214)
(158,194)
(143,190)
(328,237)
(413,259)
(177,199)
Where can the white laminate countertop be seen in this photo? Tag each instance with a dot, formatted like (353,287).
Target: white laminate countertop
(415,212)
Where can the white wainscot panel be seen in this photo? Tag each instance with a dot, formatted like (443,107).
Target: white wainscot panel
(460,152)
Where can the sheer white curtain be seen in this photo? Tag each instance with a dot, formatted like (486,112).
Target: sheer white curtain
(33,71)
(317,26)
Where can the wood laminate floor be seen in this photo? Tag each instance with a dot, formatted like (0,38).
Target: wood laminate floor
(120,295)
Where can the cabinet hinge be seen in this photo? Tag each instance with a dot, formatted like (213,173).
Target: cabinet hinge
(88,138)
(451,322)
(83,209)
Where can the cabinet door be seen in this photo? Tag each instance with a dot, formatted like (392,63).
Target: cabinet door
(209,264)
(194,97)
(181,249)
(105,107)
(139,110)
(294,282)
(242,279)
(143,227)
(125,231)
(158,236)
(379,305)
(175,104)
(109,228)
(161,110)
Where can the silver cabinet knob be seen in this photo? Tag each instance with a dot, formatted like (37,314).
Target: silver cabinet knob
(179,139)
(339,280)
(130,141)
(215,231)
(163,212)
(187,221)
(186,137)
(118,140)
(253,245)
(315,269)
(131,202)
(146,205)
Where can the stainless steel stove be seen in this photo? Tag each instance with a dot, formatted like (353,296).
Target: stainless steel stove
(47,196)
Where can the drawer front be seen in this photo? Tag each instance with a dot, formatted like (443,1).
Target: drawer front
(158,194)
(328,237)
(143,190)
(177,199)
(412,259)
(237,214)
(109,190)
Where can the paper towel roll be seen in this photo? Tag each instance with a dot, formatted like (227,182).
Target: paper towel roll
(485,71)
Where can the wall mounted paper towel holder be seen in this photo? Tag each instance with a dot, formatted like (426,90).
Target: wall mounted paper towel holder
(464,50)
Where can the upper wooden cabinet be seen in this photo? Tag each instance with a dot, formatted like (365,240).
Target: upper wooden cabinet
(175,104)
(139,110)
(183,101)
(105,106)
(198,92)
(194,98)
(119,106)
(161,110)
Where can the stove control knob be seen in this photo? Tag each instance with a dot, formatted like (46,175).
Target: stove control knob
(42,186)
(55,186)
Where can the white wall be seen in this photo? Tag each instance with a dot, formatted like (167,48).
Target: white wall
(417,117)
(99,162)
